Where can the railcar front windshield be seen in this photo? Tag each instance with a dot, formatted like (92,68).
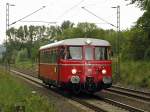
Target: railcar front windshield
(102,53)
(75,52)
(89,53)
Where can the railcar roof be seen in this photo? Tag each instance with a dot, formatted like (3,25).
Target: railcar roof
(78,41)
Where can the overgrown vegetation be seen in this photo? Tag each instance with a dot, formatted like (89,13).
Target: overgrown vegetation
(135,73)
(13,93)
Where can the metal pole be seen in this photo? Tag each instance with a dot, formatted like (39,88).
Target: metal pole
(117,63)
(118,42)
(7,28)
(7,13)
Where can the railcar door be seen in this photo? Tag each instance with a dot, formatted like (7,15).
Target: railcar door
(90,73)
(60,55)
(89,57)
(55,66)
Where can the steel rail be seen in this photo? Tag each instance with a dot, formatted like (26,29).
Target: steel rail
(132,90)
(122,105)
(93,107)
(129,93)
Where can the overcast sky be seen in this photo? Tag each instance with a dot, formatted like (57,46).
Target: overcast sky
(60,10)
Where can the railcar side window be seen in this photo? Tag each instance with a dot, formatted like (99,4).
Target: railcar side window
(75,53)
(101,53)
(54,57)
(61,52)
(49,56)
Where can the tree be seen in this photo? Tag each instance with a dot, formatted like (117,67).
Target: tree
(143,4)
(142,27)
(67,25)
(87,29)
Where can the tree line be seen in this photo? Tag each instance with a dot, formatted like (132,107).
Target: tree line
(24,42)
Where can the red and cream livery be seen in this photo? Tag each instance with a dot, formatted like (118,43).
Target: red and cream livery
(79,64)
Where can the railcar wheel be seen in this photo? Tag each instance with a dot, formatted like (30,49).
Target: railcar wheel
(45,82)
(49,85)
(76,88)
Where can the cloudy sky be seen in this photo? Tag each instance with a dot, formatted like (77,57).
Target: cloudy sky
(60,10)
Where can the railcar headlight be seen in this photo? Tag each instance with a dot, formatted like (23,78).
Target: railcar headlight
(74,71)
(104,71)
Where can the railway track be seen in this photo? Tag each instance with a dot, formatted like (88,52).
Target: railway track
(132,90)
(117,89)
(81,101)
(39,82)
(121,105)
(145,96)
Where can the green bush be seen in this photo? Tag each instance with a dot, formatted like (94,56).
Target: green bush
(22,55)
(135,73)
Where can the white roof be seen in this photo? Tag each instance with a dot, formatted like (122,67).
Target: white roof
(78,42)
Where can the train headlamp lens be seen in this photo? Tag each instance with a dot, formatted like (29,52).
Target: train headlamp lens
(104,71)
(74,71)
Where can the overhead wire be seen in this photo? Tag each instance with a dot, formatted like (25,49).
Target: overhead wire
(71,8)
(28,15)
(41,22)
(99,17)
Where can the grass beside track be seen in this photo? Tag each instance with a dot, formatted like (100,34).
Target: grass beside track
(25,65)
(13,93)
(135,74)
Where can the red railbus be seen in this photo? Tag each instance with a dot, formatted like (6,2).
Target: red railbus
(79,64)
